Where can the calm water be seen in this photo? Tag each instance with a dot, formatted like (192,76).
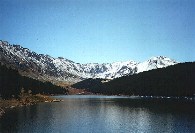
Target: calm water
(102,114)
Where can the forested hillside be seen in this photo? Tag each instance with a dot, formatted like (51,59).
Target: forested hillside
(11,84)
(91,85)
(177,80)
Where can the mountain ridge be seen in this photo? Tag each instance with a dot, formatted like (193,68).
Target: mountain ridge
(173,81)
(45,67)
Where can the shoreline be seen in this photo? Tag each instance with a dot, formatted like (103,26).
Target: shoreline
(24,101)
(38,98)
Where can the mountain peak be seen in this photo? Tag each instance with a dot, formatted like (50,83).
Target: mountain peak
(61,69)
(158,58)
(154,63)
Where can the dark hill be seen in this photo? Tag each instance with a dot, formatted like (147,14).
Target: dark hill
(177,80)
(11,84)
(92,85)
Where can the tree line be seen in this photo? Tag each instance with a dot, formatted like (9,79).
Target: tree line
(11,84)
(177,80)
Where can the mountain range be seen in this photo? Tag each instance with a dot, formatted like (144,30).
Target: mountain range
(173,81)
(47,68)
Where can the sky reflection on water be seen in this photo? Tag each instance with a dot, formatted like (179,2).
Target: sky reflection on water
(101,114)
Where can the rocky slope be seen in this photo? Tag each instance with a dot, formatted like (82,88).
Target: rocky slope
(45,67)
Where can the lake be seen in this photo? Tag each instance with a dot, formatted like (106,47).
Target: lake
(102,114)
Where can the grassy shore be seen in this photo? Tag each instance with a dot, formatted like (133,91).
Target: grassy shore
(24,101)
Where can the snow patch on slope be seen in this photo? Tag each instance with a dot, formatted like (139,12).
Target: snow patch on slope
(67,70)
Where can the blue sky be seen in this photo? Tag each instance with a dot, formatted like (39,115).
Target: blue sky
(101,31)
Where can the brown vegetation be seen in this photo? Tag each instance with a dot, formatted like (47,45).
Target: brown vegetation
(74,91)
(24,100)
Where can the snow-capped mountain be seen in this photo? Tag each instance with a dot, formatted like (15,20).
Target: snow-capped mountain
(45,67)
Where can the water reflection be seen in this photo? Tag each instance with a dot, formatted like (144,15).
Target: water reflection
(100,114)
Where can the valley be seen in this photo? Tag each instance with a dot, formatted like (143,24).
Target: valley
(61,71)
